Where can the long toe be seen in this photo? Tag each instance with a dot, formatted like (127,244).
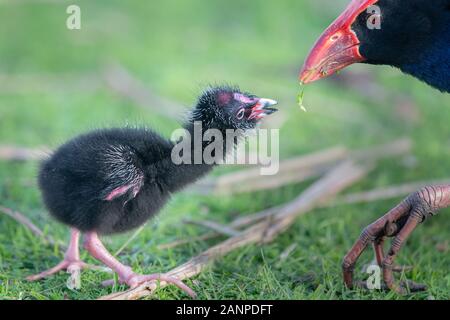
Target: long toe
(67,265)
(401,269)
(59,267)
(412,286)
(404,288)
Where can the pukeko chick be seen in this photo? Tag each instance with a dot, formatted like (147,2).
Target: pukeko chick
(414,36)
(113,180)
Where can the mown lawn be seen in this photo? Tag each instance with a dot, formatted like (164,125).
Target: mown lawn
(51,90)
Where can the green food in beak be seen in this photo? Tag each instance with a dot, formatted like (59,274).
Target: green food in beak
(300,98)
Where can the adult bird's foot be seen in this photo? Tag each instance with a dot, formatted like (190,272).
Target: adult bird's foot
(398,223)
(134,280)
(405,286)
(401,269)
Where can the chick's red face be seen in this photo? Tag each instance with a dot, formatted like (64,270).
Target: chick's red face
(338,47)
(252,108)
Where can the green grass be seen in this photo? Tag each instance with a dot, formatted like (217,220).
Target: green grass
(177,47)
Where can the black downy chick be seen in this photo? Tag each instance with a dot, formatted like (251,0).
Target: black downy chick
(113,180)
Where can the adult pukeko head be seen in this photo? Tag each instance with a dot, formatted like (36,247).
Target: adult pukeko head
(412,35)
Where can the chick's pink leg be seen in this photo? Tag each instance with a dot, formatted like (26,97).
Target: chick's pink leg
(71,261)
(126,275)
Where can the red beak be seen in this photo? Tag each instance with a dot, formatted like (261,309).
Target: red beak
(338,46)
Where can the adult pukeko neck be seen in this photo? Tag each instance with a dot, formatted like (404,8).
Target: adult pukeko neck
(412,35)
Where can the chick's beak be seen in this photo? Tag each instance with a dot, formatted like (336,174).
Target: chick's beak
(337,48)
(263,108)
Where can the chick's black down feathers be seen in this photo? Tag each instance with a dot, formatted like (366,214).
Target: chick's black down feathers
(114,180)
(79,182)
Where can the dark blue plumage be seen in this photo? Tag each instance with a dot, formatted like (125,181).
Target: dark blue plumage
(433,67)
(414,37)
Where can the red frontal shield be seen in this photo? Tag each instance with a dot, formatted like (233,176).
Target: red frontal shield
(337,47)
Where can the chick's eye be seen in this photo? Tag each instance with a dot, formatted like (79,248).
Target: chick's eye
(240,114)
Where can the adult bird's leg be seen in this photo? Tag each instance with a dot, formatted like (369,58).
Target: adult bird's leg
(71,261)
(126,275)
(379,255)
(414,219)
(400,222)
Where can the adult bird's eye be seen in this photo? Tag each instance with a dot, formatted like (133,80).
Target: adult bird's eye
(240,114)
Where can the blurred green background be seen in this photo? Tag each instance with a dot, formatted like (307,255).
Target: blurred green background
(52,87)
